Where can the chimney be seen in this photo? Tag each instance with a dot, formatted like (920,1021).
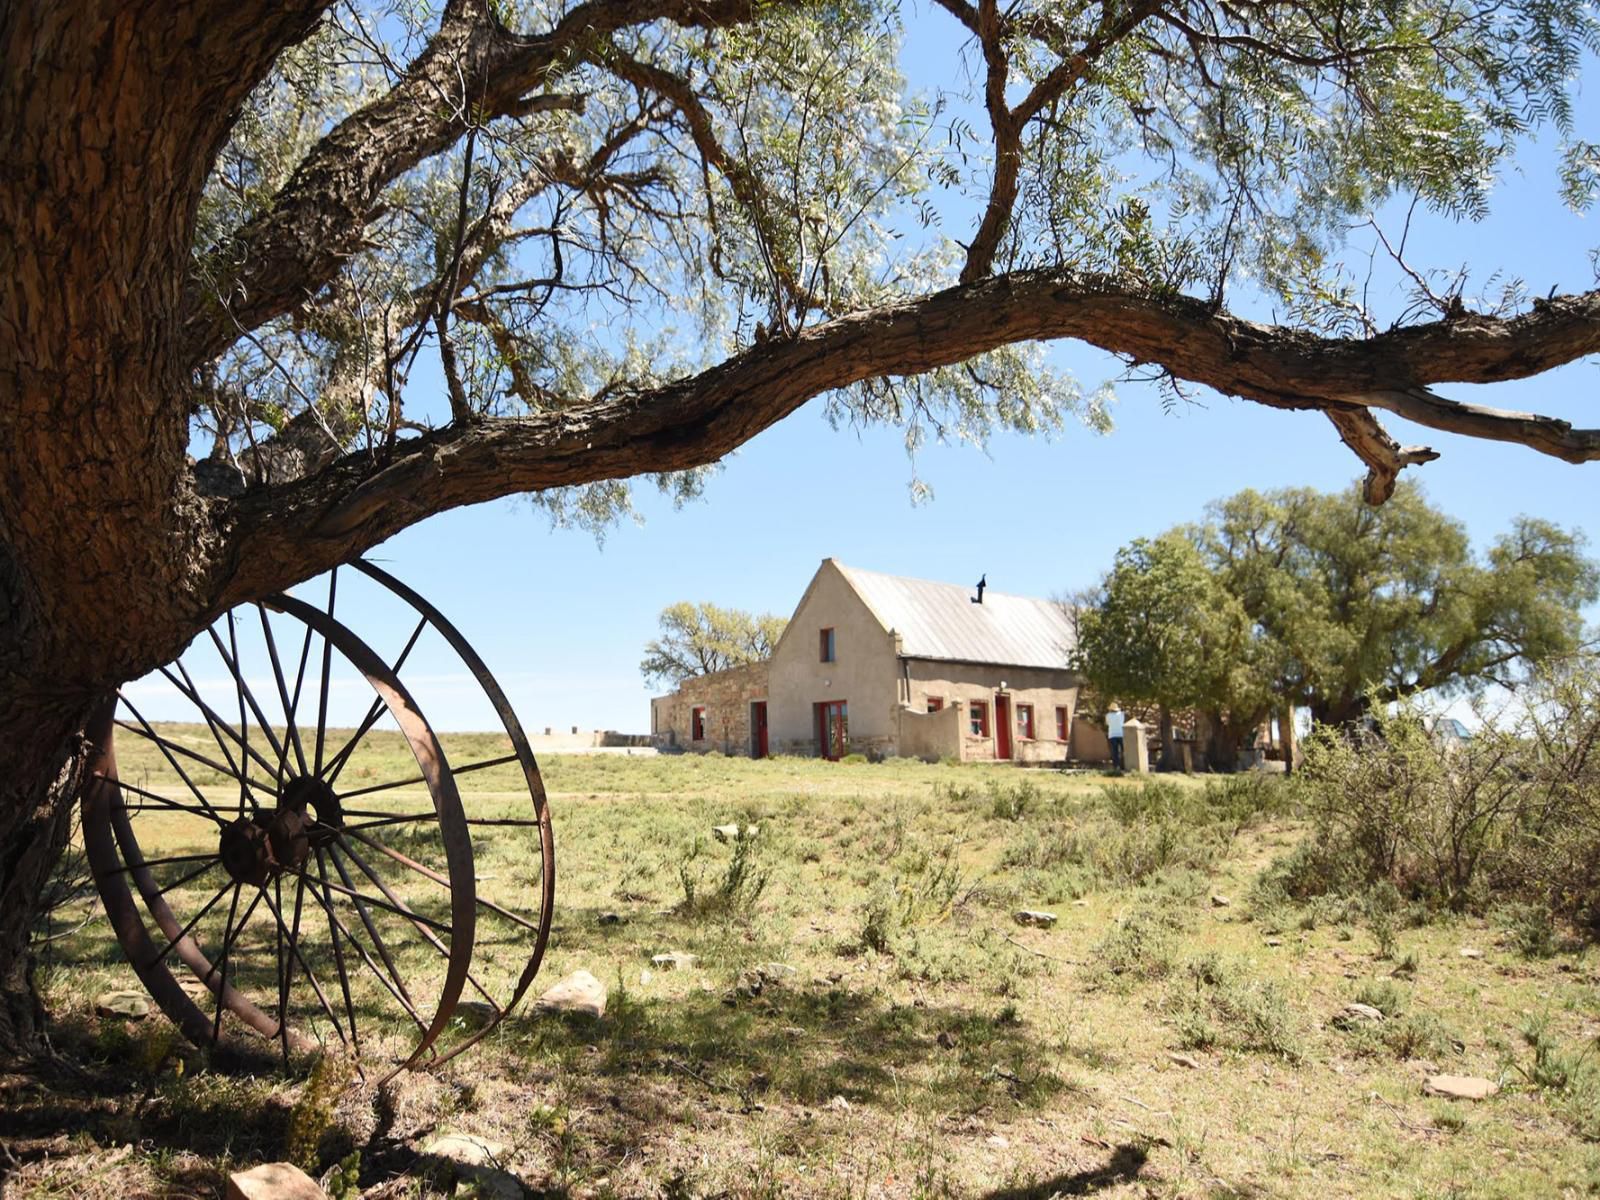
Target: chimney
(982,583)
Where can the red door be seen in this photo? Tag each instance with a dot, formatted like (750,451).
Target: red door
(1002,727)
(758,728)
(832,729)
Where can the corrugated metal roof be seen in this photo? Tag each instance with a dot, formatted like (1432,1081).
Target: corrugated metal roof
(939,620)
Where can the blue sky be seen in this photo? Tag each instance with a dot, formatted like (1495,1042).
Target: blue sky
(563,620)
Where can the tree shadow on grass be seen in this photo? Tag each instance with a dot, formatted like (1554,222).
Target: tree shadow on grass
(1124,1165)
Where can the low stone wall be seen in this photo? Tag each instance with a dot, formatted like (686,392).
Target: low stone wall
(551,740)
(930,736)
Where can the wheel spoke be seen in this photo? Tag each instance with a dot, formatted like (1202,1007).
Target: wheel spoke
(291,734)
(161,862)
(231,661)
(338,761)
(338,953)
(175,747)
(327,660)
(429,873)
(193,921)
(484,765)
(311,978)
(227,945)
(214,719)
(382,819)
(375,902)
(164,802)
(334,923)
(183,879)
(148,732)
(426,934)
(378,943)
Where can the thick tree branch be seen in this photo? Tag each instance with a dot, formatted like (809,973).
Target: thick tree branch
(351,506)
(472,71)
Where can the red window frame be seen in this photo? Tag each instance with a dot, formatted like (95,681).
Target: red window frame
(935,703)
(697,723)
(978,718)
(827,646)
(1061,724)
(1025,721)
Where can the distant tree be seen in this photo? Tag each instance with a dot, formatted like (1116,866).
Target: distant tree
(1355,604)
(1162,630)
(697,639)
(1317,599)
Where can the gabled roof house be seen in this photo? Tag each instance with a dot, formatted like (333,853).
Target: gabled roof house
(883,665)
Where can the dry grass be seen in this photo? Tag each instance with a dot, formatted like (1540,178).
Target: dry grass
(927,1045)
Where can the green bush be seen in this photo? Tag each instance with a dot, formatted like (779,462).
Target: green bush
(1507,816)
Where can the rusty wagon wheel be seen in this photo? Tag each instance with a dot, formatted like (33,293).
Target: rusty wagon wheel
(353,846)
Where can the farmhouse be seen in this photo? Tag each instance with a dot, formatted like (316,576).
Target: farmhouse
(883,665)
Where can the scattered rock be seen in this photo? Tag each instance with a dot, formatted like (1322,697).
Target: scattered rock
(1220,901)
(1184,1060)
(1040,920)
(273,1181)
(795,1031)
(579,992)
(1470,952)
(465,1150)
(674,960)
(1357,1014)
(475,1160)
(998,1142)
(645,976)
(839,1104)
(1459,1087)
(1080,904)
(732,833)
(612,918)
(948,1040)
(130,1006)
(776,973)
(1274,941)
(475,1012)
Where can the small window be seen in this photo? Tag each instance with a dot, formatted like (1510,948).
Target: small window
(1061,724)
(978,718)
(697,724)
(1025,721)
(935,703)
(826,644)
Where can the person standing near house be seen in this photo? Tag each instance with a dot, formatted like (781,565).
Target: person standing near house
(1114,734)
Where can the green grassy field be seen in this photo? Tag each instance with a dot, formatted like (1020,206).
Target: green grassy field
(1173,1034)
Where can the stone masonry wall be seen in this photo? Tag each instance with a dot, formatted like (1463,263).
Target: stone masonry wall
(726,697)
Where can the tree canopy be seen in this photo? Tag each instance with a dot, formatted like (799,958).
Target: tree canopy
(1318,599)
(697,639)
(372,261)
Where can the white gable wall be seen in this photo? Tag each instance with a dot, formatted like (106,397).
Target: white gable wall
(865,674)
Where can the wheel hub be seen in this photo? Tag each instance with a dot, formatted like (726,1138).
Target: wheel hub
(257,848)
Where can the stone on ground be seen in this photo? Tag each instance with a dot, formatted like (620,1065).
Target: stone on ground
(1470,952)
(1039,920)
(475,1012)
(1459,1087)
(273,1181)
(1184,1060)
(1220,901)
(732,833)
(579,993)
(475,1160)
(1356,1014)
(674,960)
(130,1006)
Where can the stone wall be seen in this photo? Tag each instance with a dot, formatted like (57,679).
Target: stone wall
(726,697)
